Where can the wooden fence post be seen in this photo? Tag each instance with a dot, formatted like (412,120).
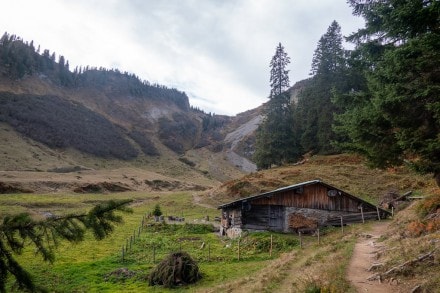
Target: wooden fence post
(238,248)
(300,240)
(378,214)
(362,214)
(342,225)
(271,245)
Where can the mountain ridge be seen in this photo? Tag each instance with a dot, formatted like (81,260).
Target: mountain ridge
(100,118)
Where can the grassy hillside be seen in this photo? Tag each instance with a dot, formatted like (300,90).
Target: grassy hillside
(93,266)
(347,172)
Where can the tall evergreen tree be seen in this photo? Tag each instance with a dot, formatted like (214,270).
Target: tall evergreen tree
(396,118)
(279,75)
(314,112)
(275,141)
(328,58)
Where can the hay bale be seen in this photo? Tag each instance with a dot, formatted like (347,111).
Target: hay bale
(298,221)
(176,269)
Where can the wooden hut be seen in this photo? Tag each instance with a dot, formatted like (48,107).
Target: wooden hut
(302,206)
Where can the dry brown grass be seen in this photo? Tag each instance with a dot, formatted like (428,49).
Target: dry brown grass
(347,172)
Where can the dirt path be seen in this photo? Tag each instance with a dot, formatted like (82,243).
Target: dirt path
(363,257)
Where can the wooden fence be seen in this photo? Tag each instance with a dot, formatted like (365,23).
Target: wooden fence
(201,249)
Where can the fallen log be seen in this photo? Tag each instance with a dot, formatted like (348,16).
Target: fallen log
(401,267)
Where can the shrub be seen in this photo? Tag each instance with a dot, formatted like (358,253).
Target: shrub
(416,228)
(178,268)
(429,205)
(157,212)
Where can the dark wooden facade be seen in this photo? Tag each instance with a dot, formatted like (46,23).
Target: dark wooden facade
(313,202)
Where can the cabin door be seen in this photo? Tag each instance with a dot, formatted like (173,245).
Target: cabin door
(276,217)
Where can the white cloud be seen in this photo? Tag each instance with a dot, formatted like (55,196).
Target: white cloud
(216,51)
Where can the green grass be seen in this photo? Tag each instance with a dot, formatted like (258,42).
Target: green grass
(86,266)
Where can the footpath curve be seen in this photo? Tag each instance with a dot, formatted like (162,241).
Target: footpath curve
(364,256)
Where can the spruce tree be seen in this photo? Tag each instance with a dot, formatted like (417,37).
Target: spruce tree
(275,141)
(279,75)
(20,231)
(314,112)
(396,118)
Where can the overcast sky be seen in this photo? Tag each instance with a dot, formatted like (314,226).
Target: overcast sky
(217,51)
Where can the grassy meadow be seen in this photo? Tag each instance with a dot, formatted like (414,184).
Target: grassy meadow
(97,266)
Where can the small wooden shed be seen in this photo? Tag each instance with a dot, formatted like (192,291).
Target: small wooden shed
(302,206)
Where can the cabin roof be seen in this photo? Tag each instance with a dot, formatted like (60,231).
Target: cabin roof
(294,186)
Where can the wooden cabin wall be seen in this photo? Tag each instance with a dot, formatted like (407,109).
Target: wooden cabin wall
(231,217)
(264,217)
(312,197)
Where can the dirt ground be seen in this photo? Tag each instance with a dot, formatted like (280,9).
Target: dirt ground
(364,256)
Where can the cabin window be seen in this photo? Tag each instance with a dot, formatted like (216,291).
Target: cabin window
(332,193)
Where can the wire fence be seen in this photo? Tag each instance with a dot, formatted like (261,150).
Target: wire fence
(141,246)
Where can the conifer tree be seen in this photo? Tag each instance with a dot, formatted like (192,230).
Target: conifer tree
(396,118)
(314,112)
(275,142)
(279,75)
(20,231)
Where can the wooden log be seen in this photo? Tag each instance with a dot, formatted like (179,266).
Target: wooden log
(409,263)
(402,197)
(401,267)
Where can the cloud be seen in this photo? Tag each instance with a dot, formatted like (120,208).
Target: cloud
(216,51)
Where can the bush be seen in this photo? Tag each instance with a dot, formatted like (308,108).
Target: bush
(428,206)
(157,211)
(178,268)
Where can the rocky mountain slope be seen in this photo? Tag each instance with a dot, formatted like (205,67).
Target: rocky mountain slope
(53,119)
(45,127)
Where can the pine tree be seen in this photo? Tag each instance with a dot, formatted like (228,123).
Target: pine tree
(279,75)
(314,112)
(20,231)
(396,119)
(275,141)
(157,212)
(329,54)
